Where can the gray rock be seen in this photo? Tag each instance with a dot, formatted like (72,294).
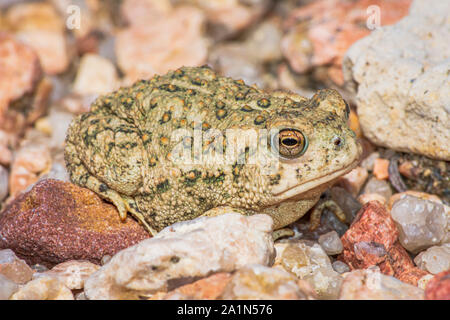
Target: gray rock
(421,223)
(380,187)
(400,76)
(340,267)
(331,243)
(183,252)
(435,259)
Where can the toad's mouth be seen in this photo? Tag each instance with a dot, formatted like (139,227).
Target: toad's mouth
(313,183)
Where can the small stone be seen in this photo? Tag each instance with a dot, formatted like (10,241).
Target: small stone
(435,259)
(331,243)
(181,43)
(417,194)
(369,161)
(176,255)
(378,186)
(372,240)
(14,268)
(39,26)
(39,268)
(209,288)
(58,221)
(45,288)
(370,284)
(58,122)
(438,288)
(257,282)
(29,162)
(4,187)
(7,287)
(340,267)
(354,180)
(96,75)
(421,223)
(380,169)
(72,273)
(80,296)
(309,262)
(368,197)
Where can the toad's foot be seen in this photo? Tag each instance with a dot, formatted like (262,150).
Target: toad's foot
(318,209)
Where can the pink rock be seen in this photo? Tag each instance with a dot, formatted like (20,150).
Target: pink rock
(321,32)
(29,162)
(438,288)
(40,26)
(354,180)
(14,268)
(169,42)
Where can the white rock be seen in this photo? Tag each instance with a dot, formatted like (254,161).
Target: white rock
(72,273)
(331,243)
(435,259)
(183,251)
(370,284)
(7,287)
(44,288)
(96,75)
(400,75)
(421,223)
(309,262)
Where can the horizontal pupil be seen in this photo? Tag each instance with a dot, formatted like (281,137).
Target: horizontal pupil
(289,142)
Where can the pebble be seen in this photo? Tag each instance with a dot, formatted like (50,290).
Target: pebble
(7,287)
(181,43)
(96,75)
(29,162)
(4,183)
(354,180)
(380,187)
(370,284)
(367,197)
(178,252)
(380,169)
(14,268)
(257,282)
(421,223)
(369,161)
(340,267)
(331,243)
(309,262)
(71,273)
(39,26)
(208,288)
(372,240)
(417,194)
(45,288)
(435,259)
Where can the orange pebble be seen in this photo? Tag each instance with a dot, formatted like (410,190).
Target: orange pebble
(380,168)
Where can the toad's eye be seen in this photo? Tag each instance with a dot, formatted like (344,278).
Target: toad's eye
(290,143)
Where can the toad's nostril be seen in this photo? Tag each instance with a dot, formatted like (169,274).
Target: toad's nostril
(337,141)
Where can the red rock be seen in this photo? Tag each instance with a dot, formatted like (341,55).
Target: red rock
(209,288)
(58,221)
(322,31)
(438,288)
(372,240)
